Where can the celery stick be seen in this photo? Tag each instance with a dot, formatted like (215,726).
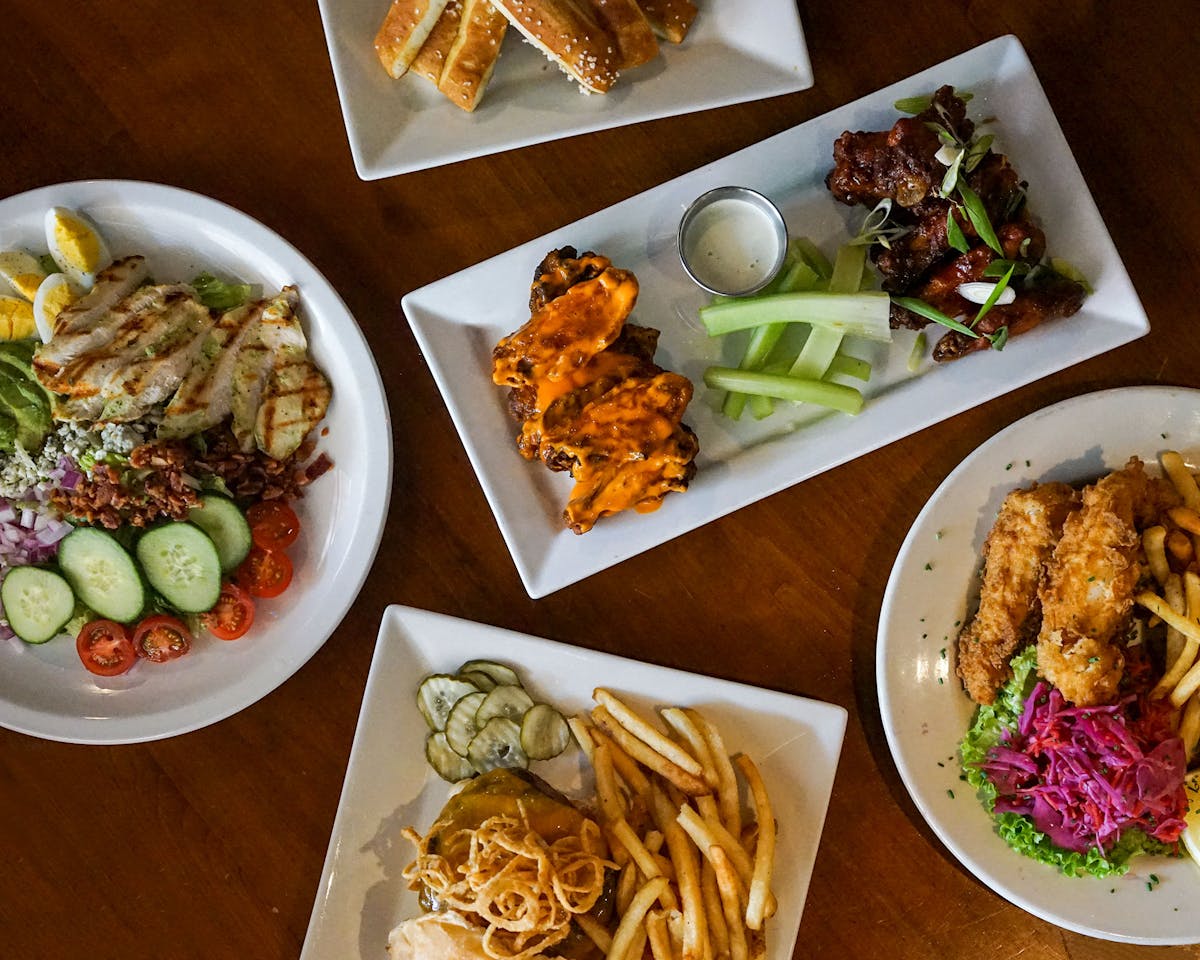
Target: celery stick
(812,255)
(917,354)
(860,314)
(848,269)
(761,407)
(850,367)
(822,344)
(833,395)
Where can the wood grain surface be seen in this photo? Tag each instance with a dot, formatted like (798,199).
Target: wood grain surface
(211,844)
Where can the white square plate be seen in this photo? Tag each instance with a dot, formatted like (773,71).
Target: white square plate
(735,51)
(388,786)
(457,321)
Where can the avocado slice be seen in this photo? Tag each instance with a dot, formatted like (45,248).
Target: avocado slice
(26,402)
(8,433)
(18,354)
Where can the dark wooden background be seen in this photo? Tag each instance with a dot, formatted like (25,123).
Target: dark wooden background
(211,844)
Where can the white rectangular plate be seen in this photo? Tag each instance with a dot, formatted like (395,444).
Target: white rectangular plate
(388,786)
(735,51)
(457,321)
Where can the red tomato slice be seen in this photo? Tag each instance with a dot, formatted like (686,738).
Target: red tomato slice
(273,524)
(232,615)
(264,573)
(104,648)
(160,638)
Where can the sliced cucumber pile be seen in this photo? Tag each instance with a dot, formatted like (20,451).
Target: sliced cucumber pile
(482,717)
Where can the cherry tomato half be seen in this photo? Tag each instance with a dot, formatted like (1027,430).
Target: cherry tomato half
(273,524)
(264,573)
(232,615)
(105,648)
(160,638)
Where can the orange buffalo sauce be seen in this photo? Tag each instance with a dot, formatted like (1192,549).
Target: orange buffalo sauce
(608,414)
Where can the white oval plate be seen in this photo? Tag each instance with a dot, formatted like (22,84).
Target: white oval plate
(44,691)
(925,710)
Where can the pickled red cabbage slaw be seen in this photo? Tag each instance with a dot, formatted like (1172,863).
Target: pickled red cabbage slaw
(1082,788)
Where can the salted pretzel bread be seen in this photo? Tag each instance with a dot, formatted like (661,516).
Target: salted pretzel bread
(470,61)
(569,33)
(670,19)
(630,29)
(403,32)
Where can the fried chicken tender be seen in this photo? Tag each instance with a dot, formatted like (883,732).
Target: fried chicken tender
(1087,592)
(1027,528)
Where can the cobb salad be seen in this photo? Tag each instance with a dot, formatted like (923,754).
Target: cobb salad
(152,435)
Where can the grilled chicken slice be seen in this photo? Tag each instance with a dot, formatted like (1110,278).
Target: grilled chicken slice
(77,328)
(278,333)
(150,338)
(205,397)
(294,401)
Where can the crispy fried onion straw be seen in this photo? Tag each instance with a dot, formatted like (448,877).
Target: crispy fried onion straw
(524,890)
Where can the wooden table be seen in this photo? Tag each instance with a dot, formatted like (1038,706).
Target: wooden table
(211,844)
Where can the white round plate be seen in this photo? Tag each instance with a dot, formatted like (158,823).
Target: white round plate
(934,585)
(44,691)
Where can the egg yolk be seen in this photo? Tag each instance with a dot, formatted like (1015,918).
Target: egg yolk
(16,319)
(26,284)
(77,243)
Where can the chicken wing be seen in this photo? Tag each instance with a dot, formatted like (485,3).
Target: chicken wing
(1027,528)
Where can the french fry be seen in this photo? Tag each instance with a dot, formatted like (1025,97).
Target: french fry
(714,913)
(626,767)
(1185,518)
(595,930)
(1190,682)
(707,835)
(683,725)
(631,918)
(641,857)
(1153,541)
(612,808)
(1173,594)
(687,875)
(756,940)
(1182,479)
(626,887)
(660,938)
(764,848)
(727,885)
(583,737)
(637,947)
(1179,546)
(635,724)
(646,755)
(1189,725)
(1160,608)
(727,789)
(1181,650)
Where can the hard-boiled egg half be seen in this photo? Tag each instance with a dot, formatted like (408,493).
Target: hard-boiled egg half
(55,293)
(22,272)
(16,318)
(76,245)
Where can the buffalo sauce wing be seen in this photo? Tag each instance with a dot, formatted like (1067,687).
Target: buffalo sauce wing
(589,395)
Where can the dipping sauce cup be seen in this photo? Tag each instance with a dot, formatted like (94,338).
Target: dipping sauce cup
(732,241)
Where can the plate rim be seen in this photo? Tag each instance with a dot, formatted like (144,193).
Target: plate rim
(131,192)
(904,767)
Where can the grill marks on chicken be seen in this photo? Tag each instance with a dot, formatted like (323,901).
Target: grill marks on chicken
(900,164)
(589,395)
(122,350)
(1062,568)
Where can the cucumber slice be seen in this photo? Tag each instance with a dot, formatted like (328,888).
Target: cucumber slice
(102,574)
(544,732)
(497,744)
(448,764)
(437,695)
(481,680)
(504,701)
(497,671)
(38,603)
(226,526)
(460,725)
(181,563)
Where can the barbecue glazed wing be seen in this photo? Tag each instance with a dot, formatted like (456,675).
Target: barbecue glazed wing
(907,166)
(1027,528)
(1087,594)
(588,393)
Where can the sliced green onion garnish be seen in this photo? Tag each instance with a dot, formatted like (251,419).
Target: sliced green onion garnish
(954,235)
(834,395)
(977,151)
(923,309)
(913,105)
(1071,272)
(917,354)
(978,216)
(999,339)
(992,297)
(997,268)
